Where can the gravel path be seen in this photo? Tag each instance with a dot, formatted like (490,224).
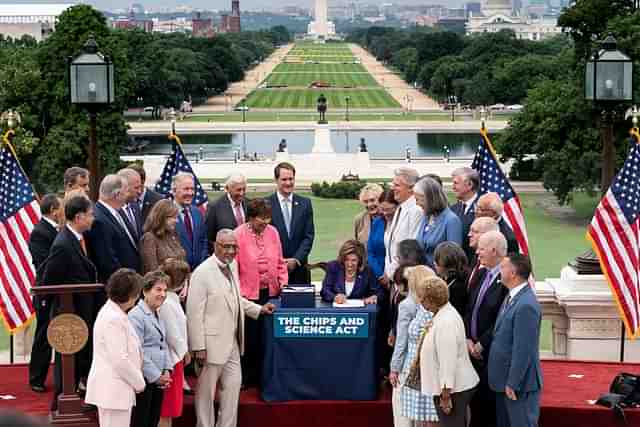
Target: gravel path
(404,93)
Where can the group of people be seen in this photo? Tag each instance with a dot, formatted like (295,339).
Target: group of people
(185,288)
(459,318)
(178,283)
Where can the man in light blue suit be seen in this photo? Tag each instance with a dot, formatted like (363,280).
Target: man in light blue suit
(191,227)
(514,360)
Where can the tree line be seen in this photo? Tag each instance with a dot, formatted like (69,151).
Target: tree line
(481,69)
(150,70)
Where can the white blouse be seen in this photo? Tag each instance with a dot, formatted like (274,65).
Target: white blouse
(176,323)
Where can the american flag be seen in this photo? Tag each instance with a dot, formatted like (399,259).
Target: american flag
(19,212)
(492,179)
(178,162)
(613,233)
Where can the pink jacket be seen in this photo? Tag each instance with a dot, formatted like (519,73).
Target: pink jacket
(247,261)
(116,371)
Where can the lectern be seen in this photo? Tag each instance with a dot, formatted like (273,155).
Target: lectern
(68,334)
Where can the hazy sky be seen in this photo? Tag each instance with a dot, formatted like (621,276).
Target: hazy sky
(226,4)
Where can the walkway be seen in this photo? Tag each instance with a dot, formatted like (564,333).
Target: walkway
(409,97)
(239,90)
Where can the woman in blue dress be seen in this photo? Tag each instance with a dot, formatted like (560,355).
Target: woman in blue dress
(415,405)
(439,224)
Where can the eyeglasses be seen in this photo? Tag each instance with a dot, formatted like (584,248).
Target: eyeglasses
(228,247)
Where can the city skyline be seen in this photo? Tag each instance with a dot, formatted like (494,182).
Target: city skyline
(111,5)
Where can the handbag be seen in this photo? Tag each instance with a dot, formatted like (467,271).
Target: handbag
(624,392)
(413,380)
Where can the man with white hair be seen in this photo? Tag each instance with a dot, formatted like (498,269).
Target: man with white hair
(190,227)
(491,205)
(482,311)
(479,226)
(230,209)
(111,245)
(406,220)
(130,212)
(216,316)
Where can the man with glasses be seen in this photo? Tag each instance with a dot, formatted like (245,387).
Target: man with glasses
(215,317)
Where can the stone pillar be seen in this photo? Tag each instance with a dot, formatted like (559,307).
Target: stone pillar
(585,318)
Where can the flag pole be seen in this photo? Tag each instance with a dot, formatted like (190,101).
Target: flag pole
(173,136)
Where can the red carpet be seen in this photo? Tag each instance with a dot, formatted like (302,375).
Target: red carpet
(564,401)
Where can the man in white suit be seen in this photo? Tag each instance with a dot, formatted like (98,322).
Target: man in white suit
(215,320)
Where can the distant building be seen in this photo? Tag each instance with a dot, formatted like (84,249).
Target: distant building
(131,22)
(35,20)
(202,27)
(453,24)
(231,23)
(524,27)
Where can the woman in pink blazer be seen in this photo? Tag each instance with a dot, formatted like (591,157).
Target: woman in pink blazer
(263,272)
(116,371)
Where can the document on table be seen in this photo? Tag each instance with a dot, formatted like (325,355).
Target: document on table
(350,303)
(299,289)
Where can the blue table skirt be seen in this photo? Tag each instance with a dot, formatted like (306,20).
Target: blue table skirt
(319,368)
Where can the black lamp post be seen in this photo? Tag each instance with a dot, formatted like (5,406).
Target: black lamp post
(347,99)
(91,84)
(244,111)
(453,101)
(609,85)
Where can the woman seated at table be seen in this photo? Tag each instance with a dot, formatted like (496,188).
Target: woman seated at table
(349,277)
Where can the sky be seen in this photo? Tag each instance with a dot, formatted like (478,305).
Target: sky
(225,4)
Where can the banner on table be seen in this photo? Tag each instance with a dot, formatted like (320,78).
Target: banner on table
(321,325)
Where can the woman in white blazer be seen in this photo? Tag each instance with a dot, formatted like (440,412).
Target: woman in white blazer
(445,368)
(116,371)
(172,314)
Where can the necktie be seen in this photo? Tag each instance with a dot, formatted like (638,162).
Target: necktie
(486,283)
(226,272)
(132,216)
(238,213)
(286,215)
(83,245)
(187,223)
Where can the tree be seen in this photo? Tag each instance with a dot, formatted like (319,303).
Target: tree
(66,129)
(588,19)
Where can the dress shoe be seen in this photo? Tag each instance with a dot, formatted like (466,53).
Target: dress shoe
(38,388)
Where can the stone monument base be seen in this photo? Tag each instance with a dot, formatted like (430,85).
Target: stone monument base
(585,319)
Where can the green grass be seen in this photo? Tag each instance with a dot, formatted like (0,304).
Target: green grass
(323,68)
(305,78)
(307,98)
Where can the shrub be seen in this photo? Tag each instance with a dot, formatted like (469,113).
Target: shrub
(338,190)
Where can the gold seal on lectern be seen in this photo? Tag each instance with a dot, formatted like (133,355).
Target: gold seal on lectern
(67,333)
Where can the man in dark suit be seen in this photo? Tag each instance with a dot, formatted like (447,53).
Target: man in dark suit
(130,212)
(465,184)
(485,300)
(292,215)
(68,263)
(514,361)
(479,226)
(230,210)
(111,244)
(491,205)
(148,198)
(191,227)
(40,241)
